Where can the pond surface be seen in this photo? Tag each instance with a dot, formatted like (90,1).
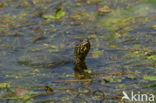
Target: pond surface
(122,55)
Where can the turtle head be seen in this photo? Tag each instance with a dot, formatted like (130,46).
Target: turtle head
(81,50)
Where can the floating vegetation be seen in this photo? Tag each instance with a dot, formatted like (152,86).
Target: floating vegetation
(104,10)
(122,56)
(150,78)
(58,15)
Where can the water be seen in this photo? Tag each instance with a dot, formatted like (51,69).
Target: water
(122,55)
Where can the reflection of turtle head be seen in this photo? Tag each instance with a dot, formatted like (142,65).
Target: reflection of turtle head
(81,50)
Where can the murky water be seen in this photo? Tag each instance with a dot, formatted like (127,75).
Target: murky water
(122,55)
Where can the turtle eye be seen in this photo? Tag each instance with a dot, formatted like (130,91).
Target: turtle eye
(83,48)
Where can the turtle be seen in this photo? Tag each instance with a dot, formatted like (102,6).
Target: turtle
(80,52)
(52,60)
